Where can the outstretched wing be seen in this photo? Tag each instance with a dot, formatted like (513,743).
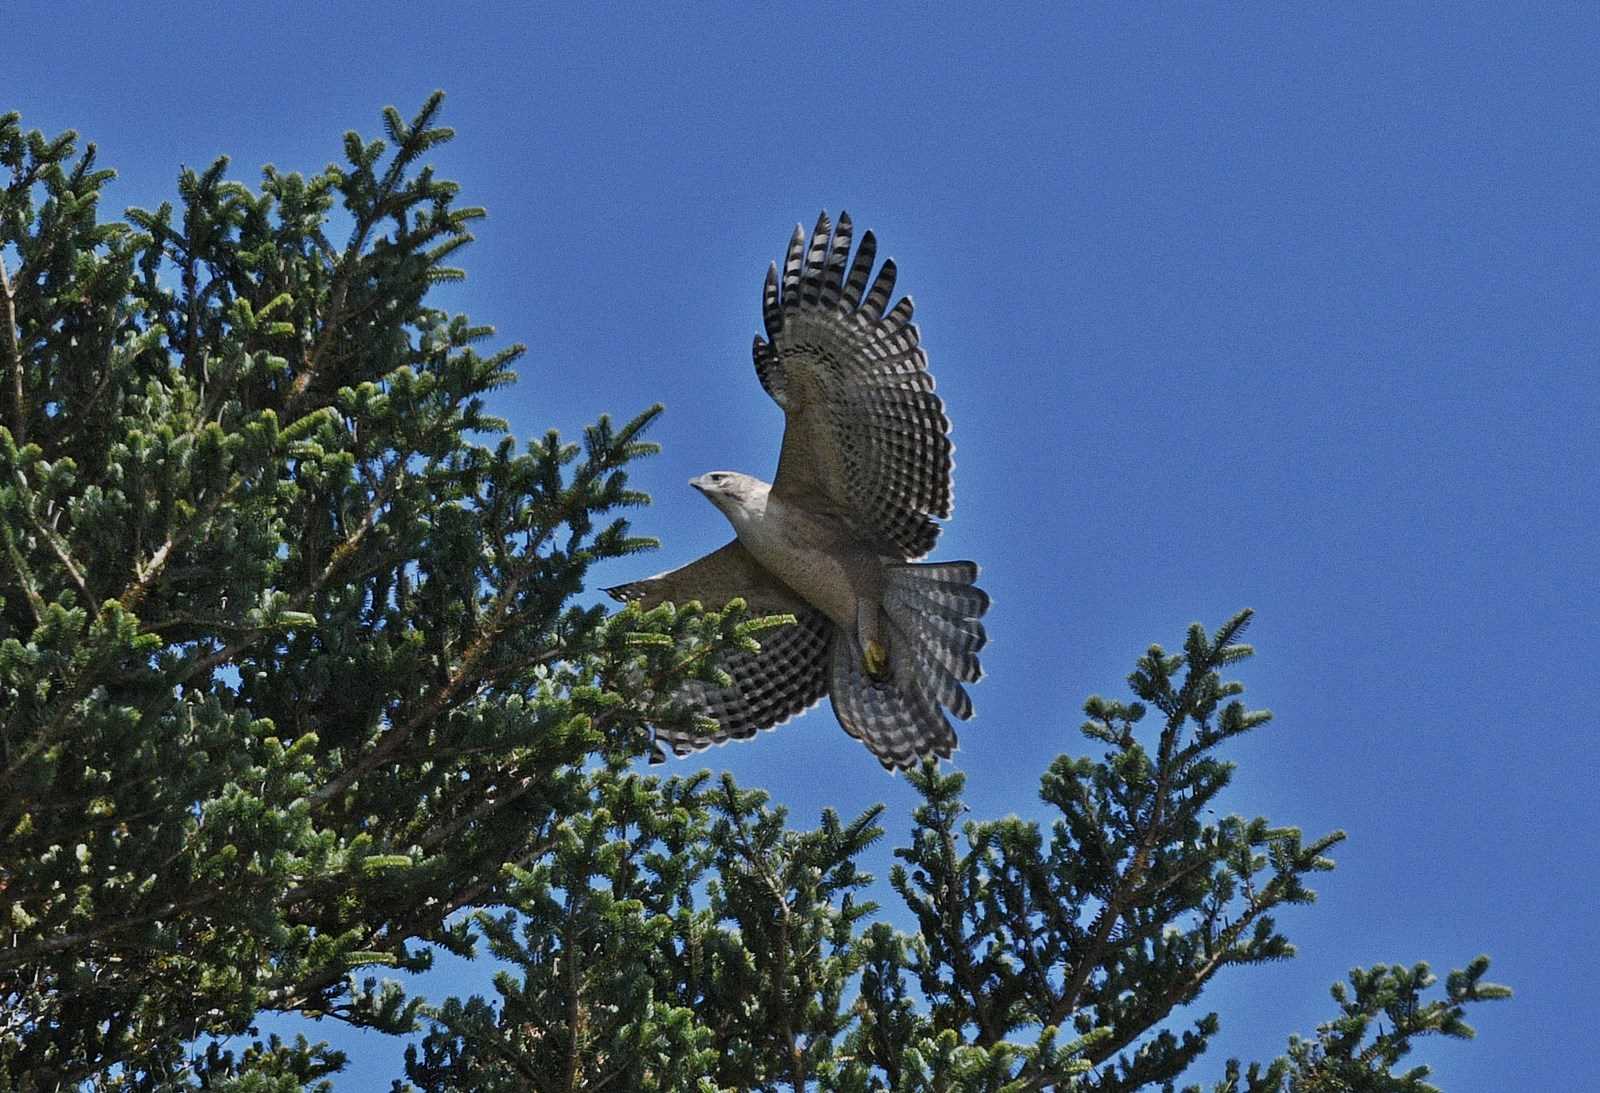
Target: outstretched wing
(786,677)
(865,437)
(726,572)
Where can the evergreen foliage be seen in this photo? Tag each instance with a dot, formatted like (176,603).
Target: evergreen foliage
(292,686)
(1043,958)
(287,663)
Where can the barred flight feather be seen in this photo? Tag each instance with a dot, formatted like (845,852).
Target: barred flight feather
(878,295)
(811,277)
(785,678)
(792,261)
(833,276)
(860,377)
(771,314)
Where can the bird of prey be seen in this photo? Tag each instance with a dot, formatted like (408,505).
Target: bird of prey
(863,471)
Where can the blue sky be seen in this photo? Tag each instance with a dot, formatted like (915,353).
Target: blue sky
(1299,311)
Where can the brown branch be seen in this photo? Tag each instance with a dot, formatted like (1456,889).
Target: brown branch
(135,593)
(1122,896)
(988,1034)
(57,547)
(309,363)
(492,1038)
(72,690)
(1128,894)
(797,1054)
(1183,985)
(76,684)
(78,681)
(490,804)
(82,415)
(19,403)
(470,894)
(397,736)
(500,616)
(298,996)
(13,958)
(30,590)
(575,1020)
(337,557)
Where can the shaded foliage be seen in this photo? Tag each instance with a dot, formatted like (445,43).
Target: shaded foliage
(289,669)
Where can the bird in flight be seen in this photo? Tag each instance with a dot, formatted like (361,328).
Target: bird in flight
(864,471)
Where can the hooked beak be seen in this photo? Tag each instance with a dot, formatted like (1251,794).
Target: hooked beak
(701,483)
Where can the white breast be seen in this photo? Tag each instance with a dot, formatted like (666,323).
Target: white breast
(805,553)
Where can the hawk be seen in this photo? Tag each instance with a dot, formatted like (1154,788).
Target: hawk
(863,472)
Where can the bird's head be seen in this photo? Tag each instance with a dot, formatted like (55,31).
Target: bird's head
(739,496)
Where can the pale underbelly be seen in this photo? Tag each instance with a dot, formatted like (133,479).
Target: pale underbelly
(826,581)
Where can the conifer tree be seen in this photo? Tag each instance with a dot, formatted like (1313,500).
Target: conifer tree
(293,687)
(1041,958)
(289,674)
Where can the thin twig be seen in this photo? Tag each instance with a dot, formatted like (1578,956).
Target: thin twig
(19,957)
(57,547)
(1125,894)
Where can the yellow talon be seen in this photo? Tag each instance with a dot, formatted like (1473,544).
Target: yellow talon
(876,660)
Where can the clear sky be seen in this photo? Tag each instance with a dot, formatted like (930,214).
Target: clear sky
(1292,311)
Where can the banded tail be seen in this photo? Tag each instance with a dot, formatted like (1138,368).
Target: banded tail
(933,611)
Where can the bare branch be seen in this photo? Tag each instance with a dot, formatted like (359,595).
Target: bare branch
(19,400)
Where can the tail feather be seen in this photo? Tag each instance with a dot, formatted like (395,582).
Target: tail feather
(899,724)
(956,642)
(932,611)
(957,608)
(927,670)
(914,574)
(951,598)
(930,604)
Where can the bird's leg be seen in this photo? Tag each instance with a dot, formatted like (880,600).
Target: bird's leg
(875,651)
